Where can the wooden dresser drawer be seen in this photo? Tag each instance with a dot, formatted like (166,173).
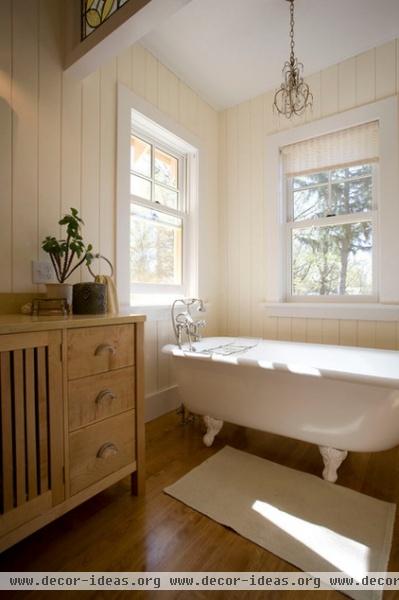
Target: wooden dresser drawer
(101,449)
(100,396)
(94,350)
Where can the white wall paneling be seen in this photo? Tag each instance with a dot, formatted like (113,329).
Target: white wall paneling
(57,150)
(357,81)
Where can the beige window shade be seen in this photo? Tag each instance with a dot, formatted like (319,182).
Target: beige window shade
(348,146)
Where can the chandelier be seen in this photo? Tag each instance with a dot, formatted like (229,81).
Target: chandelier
(293,96)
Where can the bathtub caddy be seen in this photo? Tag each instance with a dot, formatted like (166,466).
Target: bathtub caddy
(340,398)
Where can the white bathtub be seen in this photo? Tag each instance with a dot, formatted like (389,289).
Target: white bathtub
(342,399)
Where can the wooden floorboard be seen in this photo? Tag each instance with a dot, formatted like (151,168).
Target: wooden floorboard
(118,532)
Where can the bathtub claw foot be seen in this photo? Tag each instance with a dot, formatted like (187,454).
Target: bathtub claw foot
(213,426)
(332,459)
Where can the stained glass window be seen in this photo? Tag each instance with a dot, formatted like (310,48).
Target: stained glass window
(95,12)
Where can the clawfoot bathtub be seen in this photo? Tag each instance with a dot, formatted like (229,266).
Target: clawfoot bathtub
(342,399)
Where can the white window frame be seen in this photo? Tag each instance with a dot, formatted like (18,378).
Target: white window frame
(163,132)
(356,217)
(385,307)
(182,211)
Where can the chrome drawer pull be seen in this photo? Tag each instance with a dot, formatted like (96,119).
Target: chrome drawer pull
(104,348)
(107,450)
(105,394)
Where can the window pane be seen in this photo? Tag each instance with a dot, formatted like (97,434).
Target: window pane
(166,197)
(332,260)
(140,187)
(165,168)
(140,156)
(352,196)
(155,247)
(310,203)
(308,180)
(354,171)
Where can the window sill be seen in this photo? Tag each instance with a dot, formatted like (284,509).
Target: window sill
(321,310)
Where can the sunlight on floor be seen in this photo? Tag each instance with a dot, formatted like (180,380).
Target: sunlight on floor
(343,553)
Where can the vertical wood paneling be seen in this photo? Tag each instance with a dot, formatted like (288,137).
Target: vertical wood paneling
(164,336)
(57,150)
(151,354)
(25,90)
(330,331)
(151,78)
(353,82)
(314,331)
(314,82)
(385,70)
(107,160)
(257,127)
(245,209)
(284,329)
(188,101)
(397,65)
(90,200)
(270,328)
(168,94)
(6,121)
(232,223)
(269,117)
(347,84)
(49,133)
(365,77)
(366,333)
(124,66)
(71,149)
(329,91)
(298,330)
(348,333)
(223,218)
(385,335)
(137,64)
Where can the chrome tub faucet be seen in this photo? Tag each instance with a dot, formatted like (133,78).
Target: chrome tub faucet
(183,322)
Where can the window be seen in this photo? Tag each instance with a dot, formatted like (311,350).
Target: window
(332,188)
(331,225)
(157,206)
(157,215)
(331,215)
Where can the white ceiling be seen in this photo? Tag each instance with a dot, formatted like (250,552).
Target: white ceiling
(232,50)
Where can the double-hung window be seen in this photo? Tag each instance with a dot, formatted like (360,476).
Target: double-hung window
(158,217)
(157,206)
(331,215)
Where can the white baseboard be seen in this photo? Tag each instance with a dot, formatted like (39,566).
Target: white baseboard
(161,402)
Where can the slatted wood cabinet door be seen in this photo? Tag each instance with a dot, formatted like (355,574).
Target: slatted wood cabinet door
(32,449)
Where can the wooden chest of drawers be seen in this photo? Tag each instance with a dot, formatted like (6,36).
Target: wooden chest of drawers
(72,419)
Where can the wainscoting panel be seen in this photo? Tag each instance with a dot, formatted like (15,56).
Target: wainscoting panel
(244,201)
(57,150)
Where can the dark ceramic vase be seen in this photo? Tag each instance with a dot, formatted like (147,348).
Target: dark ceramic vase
(89,298)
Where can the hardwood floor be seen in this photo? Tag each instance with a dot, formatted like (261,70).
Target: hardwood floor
(118,532)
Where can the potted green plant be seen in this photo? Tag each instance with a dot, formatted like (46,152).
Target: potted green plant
(67,255)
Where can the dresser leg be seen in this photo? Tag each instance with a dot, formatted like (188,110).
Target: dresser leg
(137,483)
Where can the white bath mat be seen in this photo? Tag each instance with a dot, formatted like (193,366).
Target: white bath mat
(314,525)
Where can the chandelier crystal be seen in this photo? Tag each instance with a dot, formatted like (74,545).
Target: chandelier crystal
(293,96)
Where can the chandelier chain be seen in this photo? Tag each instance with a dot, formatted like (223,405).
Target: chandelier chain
(292,24)
(293,96)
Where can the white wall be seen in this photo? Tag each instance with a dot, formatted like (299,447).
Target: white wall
(57,150)
(245,200)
